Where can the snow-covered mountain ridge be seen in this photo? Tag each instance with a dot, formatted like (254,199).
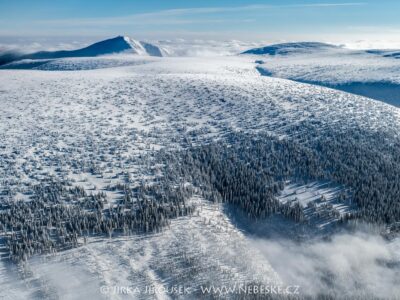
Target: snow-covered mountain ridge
(372,73)
(117,45)
(291,48)
(84,148)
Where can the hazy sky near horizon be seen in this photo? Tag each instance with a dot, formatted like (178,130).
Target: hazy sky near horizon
(350,21)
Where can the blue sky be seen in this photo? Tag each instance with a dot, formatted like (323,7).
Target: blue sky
(233,19)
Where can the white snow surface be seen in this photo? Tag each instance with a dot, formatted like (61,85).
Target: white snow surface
(336,66)
(320,201)
(216,251)
(105,116)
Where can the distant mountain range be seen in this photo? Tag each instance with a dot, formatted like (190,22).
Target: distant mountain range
(123,44)
(119,44)
(314,47)
(289,48)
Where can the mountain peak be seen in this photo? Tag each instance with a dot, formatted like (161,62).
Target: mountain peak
(118,44)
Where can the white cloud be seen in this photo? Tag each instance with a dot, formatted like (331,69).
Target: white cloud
(352,265)
(173,16)
(200,47)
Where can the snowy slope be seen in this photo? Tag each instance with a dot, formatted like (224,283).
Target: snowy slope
(386,53)
(291,48)
(112,120)
(207,243)
(374,74)
(119,44)
(334,67)
(79,63)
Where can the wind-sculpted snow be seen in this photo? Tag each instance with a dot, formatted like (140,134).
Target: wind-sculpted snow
(130,164)
(339,67)
(358,72)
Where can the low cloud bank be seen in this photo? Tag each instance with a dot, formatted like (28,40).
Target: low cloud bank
(347,265)
(180,47)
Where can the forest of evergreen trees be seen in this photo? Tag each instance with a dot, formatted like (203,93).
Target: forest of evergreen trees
(247,171)
(57,216)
